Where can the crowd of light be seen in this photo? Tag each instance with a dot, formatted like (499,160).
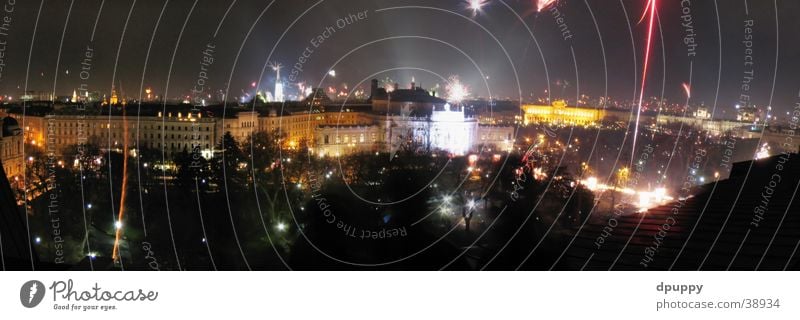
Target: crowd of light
(644,199)
(763,152)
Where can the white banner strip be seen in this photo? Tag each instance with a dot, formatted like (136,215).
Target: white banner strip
(399,295)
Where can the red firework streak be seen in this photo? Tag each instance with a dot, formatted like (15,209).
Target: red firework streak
(542,4)
(650,13)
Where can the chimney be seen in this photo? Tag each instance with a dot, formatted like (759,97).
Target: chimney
(373,88)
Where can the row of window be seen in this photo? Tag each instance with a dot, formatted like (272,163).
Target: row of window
(8,151)
(361,138)
(132,126)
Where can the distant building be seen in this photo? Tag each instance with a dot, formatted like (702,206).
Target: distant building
(390,119)
(317,98)
(702,113)
(717,127)
(413,117)
(746,114)
(560,113)
(172,132)
(403,101)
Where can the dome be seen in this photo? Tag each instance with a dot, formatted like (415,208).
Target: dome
(11,127)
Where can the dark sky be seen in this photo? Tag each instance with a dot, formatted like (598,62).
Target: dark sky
(431,42)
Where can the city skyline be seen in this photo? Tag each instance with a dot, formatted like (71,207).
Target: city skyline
(455,135)
(611,61)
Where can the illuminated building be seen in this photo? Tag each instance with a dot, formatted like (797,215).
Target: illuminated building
(702,113)
(717,127)
(11,147)
(341,140)
(172,132)
(114,98)
(746,113)
(498,136)
(451,130)
(560,113)
(408,117)
(422,119)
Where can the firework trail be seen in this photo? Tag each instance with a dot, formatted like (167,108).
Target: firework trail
(688,90)
(123,192)
(650,13)
(543,4)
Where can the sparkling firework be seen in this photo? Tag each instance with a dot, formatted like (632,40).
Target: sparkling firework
(456,91)
(476,5)
(650,14)
(389,84)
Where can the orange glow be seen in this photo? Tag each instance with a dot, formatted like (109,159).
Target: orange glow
(123,192)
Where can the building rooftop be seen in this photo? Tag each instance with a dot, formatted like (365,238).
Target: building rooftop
(10,127)
(725,209)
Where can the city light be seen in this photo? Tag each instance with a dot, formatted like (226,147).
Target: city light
(644,199)
(523,154)
(763,152)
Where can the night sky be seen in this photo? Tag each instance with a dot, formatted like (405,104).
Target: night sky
(431,43)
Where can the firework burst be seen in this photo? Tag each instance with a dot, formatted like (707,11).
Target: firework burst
(456,91)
